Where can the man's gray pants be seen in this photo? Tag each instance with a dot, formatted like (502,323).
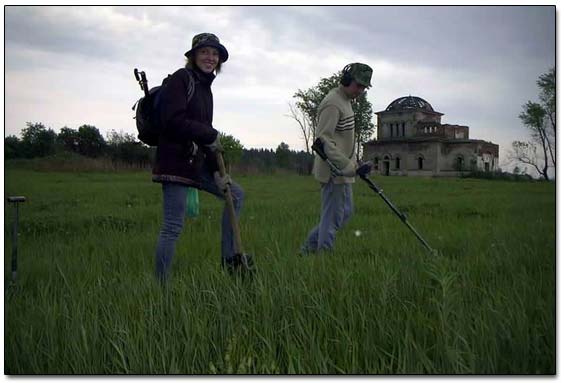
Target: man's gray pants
(336,210)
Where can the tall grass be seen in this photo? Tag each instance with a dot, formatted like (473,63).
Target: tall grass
(73,162)
(86,302)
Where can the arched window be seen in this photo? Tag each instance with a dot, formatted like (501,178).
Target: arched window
(397,163)
(459,163)
(403,129)
(386,164)
(376,160)
(420,162)
(488,161)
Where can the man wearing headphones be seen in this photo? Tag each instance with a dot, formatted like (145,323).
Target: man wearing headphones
(335,130)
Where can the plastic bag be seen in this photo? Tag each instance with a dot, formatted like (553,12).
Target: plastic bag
(192,203)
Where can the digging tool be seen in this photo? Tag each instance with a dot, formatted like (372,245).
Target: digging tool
(15,200)
(242,262)
(318,148)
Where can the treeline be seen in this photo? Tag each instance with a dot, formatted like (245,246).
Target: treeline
(39,141)
(123,150)
(268,160)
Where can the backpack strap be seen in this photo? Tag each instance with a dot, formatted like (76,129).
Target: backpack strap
(191,85)
(191,88)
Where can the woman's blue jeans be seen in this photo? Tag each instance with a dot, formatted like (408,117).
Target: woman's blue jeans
(174,207)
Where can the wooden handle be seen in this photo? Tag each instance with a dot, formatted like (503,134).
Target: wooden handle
(230,207)
(16,199)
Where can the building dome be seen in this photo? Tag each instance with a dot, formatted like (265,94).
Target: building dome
(408,103)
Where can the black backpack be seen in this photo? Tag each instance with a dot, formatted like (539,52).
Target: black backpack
(146,109)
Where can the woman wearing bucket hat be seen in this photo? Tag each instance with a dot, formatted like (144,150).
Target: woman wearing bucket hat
(186,152)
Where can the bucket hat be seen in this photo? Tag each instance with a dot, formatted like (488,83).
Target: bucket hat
(208,40)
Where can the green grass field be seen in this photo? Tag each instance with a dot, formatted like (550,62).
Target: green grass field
(86,302)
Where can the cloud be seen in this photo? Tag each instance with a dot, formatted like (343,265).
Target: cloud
(478,65)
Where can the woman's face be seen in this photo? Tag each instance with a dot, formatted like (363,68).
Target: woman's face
(207,59)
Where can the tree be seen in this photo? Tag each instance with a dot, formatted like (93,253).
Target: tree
(547,85)
(90,141)
(533,117)
(283,155)
(115,138)
(364,128)
(125,148)
(37,140)
(262,160)
(308,102)
(12,147)
(267,160)
(233,149)
(540,120)
(305,124)
(68,139)
(526,153)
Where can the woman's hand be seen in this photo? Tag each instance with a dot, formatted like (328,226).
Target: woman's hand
(222,182)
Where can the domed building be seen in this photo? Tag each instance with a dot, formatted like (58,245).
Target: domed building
(412,141)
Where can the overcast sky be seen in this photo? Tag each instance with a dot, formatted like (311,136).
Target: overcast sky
(68,66)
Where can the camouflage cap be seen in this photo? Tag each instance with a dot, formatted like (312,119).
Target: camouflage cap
(208,40)
(361,73)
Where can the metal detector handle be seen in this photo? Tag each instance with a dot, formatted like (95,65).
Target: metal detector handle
(230,207)
(317,147)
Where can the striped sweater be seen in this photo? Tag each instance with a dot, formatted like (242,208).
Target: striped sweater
(335,127)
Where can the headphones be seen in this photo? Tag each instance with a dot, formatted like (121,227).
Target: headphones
(347,78)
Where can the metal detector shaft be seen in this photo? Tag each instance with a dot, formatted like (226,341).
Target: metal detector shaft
(401,216)
(15,200)
(15,246)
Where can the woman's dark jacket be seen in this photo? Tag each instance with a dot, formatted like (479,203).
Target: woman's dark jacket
(185,123)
